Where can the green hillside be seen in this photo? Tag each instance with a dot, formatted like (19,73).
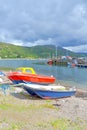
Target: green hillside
(44,51)
(13,51)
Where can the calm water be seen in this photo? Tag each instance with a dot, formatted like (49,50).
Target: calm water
(65,75)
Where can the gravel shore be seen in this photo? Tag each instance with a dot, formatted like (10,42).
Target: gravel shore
(20,111)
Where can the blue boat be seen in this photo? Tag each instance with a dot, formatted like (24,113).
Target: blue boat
(29,90)
(49,92)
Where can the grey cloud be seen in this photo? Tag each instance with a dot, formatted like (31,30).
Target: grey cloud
(32,22)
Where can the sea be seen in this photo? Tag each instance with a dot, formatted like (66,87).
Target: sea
(71,76)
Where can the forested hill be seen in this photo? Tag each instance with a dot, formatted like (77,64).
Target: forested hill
(42,51)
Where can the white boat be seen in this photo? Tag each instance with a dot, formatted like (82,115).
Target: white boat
(49,91)
(45,87)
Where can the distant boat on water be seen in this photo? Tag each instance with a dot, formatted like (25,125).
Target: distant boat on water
(62,61)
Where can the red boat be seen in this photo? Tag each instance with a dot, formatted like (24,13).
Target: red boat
(20,77)
(50,62)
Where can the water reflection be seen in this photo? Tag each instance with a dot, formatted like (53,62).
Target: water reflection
(67,75)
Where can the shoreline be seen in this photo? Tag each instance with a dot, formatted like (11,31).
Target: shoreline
(62,82)
(73,76)
(21,111)
(80,91)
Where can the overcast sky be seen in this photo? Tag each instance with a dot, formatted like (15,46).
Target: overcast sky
(38,22)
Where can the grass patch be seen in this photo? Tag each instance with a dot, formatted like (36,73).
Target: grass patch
(4,120)
(46,105)
(47,101)
(42,125)
(64,124)
(59,124)
(4,106)
(14,126)
(15,107)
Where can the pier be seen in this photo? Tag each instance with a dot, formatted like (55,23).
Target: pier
(56,62)
(82,65)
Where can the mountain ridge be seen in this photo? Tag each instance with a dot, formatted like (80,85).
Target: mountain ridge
(8,50)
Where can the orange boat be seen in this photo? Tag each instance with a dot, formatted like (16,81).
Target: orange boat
(21,76)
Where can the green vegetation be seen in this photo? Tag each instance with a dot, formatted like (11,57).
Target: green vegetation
(65,124)
(35,52)
(11,125)
(62,124)
(17,107)
(19,114)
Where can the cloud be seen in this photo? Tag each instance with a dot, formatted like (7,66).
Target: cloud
(80,48)
(36,22)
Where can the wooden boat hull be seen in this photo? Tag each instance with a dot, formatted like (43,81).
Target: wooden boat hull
(19,77)
(48,93)
(53,94)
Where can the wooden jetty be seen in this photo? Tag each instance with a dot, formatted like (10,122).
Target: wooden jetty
(82,65)
(56,62)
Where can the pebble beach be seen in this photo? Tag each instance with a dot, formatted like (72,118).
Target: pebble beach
(20,111)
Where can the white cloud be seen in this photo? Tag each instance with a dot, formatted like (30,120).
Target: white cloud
(80,48)
(38,42)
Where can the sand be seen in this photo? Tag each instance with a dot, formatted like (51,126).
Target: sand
(20,111)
